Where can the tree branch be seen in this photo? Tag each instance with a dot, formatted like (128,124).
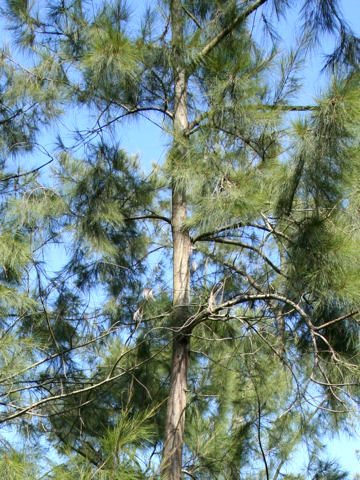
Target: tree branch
(108,379)
(207,235)
(221,35)
(282,108)
(19,175)
(331,322)
(129,111)
(259,436)
(210,310)
(248,247)
(193,18)
(149,217)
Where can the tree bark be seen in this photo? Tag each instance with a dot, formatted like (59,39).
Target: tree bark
(175,413)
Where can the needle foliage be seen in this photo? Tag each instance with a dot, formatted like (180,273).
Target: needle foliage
(271,198)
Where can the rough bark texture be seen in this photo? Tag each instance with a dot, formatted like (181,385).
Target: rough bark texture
(175,414)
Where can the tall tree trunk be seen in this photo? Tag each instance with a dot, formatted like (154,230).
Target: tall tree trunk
(175,413)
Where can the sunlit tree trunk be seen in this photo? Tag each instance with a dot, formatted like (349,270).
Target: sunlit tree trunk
(175,414)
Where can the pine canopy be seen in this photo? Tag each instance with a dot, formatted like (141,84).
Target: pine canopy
(198,318)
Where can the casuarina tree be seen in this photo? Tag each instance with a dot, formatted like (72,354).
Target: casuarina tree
(199,319)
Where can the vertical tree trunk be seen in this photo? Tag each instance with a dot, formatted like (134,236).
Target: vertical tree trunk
(175,413)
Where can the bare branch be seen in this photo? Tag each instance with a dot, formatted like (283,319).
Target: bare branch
(208,235)
(237,300)
(259,436)
(19,175)
(248,247)
(193,18)
(108,379)
(339,319)
(149,217)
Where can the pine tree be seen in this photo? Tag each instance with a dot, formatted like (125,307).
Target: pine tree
(255,210)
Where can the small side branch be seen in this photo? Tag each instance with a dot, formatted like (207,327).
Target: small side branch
(149,217)
(259,438)
(248,247)
(19,175)
(193,18)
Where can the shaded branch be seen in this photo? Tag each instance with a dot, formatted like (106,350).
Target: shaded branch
(339,319)
(19,175)
(259,436)
(18,112)
(207,235)
(149,217)
(129,111)
(248,247)
(108,379)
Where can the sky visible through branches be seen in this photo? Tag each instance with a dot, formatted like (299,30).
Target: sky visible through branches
(150,143)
